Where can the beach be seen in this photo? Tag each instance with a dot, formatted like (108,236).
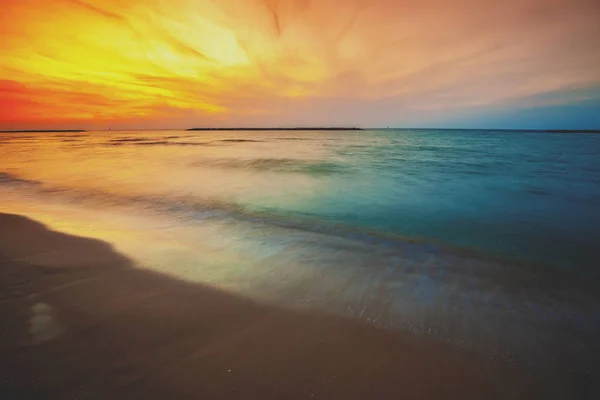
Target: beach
(80,321)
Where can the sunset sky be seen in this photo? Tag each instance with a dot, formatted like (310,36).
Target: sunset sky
(95,64)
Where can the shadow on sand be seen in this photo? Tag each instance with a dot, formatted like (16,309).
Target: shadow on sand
(79,320)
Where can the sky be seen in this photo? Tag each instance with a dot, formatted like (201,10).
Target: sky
(159,64)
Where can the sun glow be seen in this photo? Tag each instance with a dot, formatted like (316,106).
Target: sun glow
(94,63)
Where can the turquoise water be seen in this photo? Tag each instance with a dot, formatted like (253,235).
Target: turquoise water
(530,196)
(524,195)
(485,239)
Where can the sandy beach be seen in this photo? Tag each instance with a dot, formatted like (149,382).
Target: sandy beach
(81,321)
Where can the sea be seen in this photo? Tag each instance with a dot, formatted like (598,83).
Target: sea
(485,239)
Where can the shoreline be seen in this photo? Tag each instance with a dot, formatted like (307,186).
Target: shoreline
(47,131)
(114,330)
(278,129)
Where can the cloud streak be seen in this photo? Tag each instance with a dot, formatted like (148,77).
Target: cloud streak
(95,63)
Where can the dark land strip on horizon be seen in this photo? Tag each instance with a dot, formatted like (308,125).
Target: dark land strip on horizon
(275,129)
(46,131)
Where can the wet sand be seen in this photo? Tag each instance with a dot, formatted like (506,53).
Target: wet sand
(78,320)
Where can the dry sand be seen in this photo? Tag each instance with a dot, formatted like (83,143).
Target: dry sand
(80,321)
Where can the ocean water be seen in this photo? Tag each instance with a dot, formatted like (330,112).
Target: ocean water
(488,240)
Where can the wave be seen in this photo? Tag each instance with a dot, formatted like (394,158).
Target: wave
(433,283)
(131,140)
(539,191)
(197,208)
(11,140)
(17,136)
(240,140)
(167,140)
(156,143)
(70,140)
(71,136)
(11,179)
(293,138)
(286,165)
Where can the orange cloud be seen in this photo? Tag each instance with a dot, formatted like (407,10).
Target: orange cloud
(94,63)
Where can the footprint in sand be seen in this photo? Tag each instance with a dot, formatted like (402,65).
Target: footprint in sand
(43,325)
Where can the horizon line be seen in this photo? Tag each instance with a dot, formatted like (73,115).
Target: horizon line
(333,128)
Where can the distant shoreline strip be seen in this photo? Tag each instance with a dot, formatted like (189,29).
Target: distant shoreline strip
(274,129)
(47,131)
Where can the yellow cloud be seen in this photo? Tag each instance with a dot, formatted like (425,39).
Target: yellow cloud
(109,59)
